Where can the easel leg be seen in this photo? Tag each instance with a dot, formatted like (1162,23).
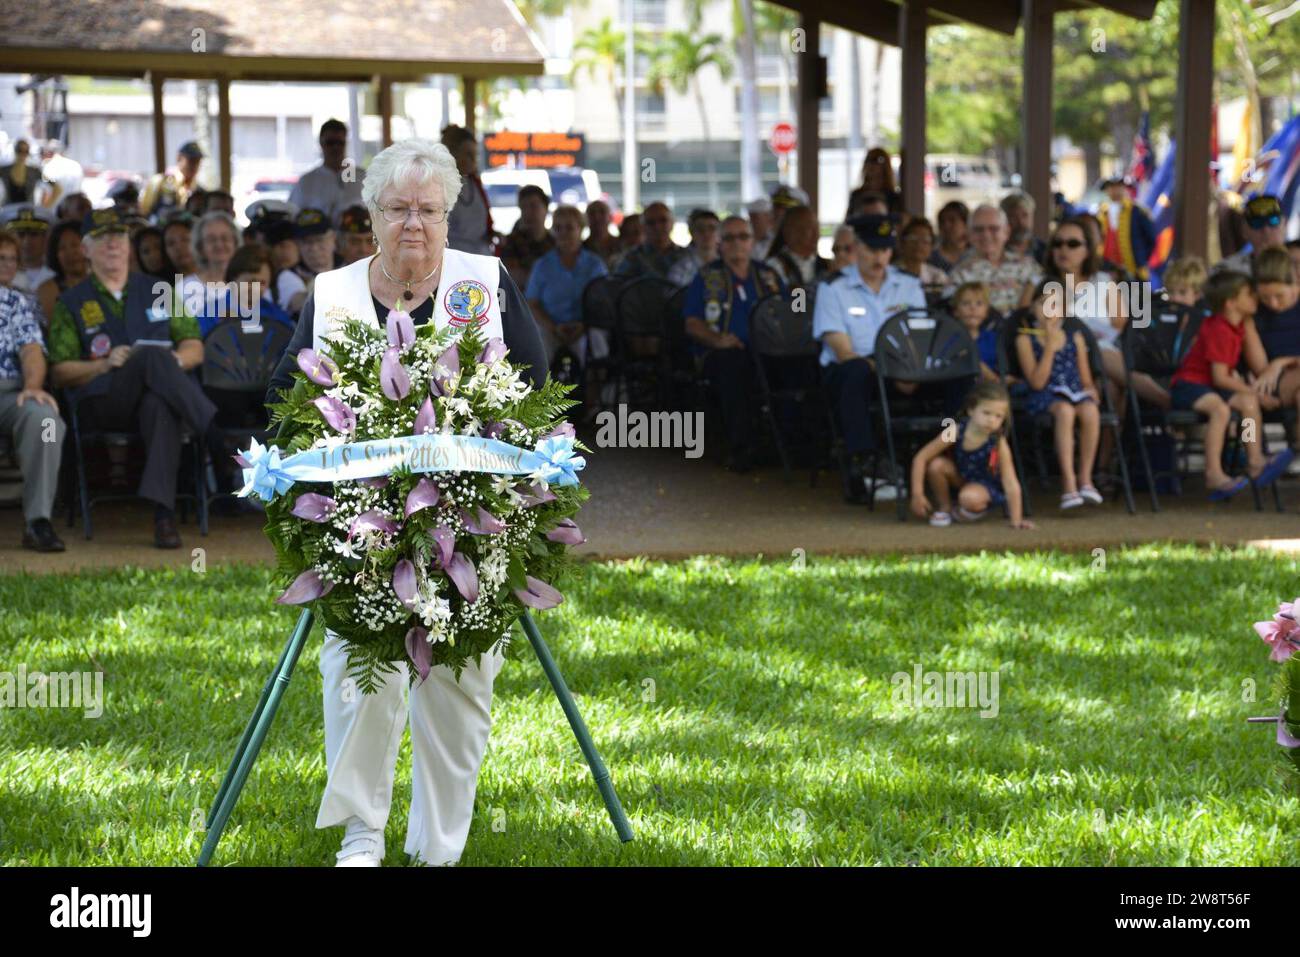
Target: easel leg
(598,769)
(253,737)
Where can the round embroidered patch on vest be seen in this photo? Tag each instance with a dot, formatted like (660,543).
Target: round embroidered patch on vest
(467,301)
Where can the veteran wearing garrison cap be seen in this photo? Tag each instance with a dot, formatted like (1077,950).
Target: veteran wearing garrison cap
(850,308)
(31,224)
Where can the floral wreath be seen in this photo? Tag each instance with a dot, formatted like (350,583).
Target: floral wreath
(429,556)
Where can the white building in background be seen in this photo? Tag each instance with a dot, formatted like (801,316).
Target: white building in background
(274,125)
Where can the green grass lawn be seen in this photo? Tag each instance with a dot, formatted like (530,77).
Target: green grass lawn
(745,710)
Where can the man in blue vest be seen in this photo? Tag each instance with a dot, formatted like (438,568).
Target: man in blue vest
(716,310)
(124,351)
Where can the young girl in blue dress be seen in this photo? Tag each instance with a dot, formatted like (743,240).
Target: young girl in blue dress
(973,456)
(1055,366)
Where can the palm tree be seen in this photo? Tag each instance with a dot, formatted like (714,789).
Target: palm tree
(677,61)
(598,52)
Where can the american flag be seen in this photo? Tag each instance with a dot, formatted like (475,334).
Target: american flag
(1143,164)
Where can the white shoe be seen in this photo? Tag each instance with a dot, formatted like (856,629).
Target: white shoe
(362,846)
(940,519)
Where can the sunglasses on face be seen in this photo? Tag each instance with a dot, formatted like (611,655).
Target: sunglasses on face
(1067,243)
(1259,222)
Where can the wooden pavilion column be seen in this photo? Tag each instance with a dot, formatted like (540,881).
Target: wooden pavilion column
(1036,129)
(469,91)
(223,127)
(807,123)
(1192,127)
(911,37)
(159,123)
(386,109)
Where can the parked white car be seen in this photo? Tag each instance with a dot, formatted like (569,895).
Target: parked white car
(968,179)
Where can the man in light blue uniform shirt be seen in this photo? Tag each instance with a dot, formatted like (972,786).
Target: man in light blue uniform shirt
(851,306)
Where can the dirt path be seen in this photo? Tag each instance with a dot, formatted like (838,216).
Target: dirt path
(657,503)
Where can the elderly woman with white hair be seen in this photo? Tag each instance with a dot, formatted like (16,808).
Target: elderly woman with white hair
(409,189)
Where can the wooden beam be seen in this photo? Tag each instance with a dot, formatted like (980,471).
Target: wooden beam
(877,19)
(807,122)
(1002,16)
(1192,127)
(1036,127)
(186,66)
(912,34)
(469,89)
(223,127)
(159,123)
(386,109)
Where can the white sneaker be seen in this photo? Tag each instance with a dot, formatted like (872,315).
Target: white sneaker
(940,519)
(362,846)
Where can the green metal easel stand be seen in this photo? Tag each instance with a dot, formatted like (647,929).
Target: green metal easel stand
(260,723)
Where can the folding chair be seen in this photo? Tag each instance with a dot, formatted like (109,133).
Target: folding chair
(599,311)
(642,361)
(1157,349)
(915,345)
(1036,425)
(778,335)
(238,363)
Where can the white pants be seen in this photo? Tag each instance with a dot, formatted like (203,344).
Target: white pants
(449,720)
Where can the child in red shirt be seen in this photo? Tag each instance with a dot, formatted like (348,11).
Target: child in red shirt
(1207,382)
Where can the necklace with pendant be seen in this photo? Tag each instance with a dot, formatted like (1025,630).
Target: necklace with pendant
(408,295)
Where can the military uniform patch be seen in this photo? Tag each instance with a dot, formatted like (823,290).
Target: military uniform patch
(92,315)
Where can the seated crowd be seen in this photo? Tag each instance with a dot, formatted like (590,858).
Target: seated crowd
(81,315)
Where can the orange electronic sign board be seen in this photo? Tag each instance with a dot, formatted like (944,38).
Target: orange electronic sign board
(534,150)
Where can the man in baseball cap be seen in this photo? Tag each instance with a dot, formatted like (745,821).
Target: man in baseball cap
(1265,227)
(170,190)
(850,308)
(356,235)
(761,221)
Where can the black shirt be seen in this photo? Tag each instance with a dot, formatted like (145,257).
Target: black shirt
(518,328)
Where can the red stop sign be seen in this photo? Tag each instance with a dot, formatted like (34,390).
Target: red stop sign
(782,139)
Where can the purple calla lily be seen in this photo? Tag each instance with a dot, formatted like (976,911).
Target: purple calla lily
(419,651)
(535,495)
(565,428)
(445,539)
(318,368)
(337,414)
(483,523)
(494,350)
(393,377)
(400,329)
(567,532)
(404,582)
(464,576)
(423,495)
(313,507)
(306,587)
(427,419)
(538,594)
(446,369)
(494,430)
(373,519)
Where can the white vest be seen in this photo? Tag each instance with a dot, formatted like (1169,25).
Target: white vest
(468,292)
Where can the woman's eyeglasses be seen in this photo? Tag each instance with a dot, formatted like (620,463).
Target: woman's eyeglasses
(1259,222)
(429,215)
(1067,243)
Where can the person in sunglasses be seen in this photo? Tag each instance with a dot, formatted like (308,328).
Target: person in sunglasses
(1130,236)
(1264,229)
